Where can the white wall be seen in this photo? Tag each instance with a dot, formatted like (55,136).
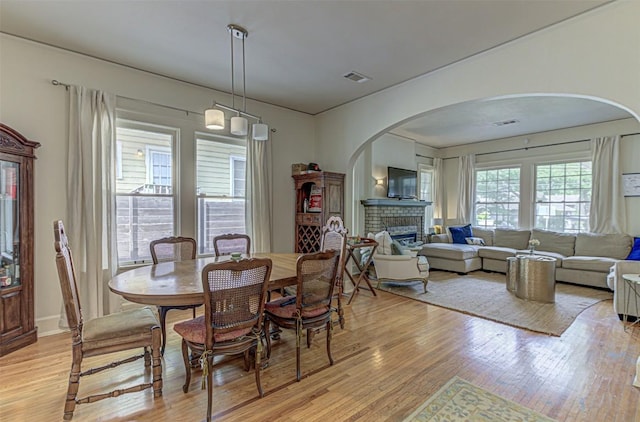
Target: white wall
(594,55)
(30,104)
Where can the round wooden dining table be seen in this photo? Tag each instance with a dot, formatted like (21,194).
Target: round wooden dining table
(180,283)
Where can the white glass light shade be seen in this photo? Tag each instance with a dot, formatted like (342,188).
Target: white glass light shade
(260,132)
(214,119)
(239,126)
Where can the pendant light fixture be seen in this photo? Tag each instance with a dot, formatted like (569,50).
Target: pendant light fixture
(239,125)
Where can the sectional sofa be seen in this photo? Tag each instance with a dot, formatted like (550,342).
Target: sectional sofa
(583,258)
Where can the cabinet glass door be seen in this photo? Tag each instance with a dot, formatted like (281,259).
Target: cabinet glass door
(9,224)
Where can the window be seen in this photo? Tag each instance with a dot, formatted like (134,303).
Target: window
(220,178)
(238,165)
(145,193)
(426,194)
(159,166)
(563,196)
(497,202)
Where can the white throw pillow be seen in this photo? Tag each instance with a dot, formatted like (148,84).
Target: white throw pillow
(474,241)
(384,243)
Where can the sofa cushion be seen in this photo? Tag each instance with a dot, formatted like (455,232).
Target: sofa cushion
(561,243)
(496,252)
(459,234)
(485,234)
(507,238)
(588,263)
(615,246)
(450,251)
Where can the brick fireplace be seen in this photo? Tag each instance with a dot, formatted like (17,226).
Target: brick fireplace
(403,219)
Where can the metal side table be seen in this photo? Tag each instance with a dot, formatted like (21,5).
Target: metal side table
(632,286)
(536,278)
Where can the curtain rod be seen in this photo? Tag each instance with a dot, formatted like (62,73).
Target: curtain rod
(67,86)
(535,146)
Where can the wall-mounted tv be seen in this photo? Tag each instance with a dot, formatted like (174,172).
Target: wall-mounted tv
(402,183)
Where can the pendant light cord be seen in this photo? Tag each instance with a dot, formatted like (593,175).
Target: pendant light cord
(233,95)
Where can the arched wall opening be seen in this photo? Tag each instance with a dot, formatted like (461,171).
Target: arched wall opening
(363,170)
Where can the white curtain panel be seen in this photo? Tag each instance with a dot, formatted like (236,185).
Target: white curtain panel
(607,213)
(466,188)
(90,197)
(438,189)
(258,195)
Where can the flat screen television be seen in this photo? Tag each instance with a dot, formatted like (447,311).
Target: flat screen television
(402,183)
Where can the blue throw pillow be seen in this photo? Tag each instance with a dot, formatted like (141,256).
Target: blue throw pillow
(460,234)
(634,255)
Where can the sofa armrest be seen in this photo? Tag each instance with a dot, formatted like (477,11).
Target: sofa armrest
(400,267)
(440,238)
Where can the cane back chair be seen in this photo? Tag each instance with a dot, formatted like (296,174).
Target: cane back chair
(310,308)
(226,244)
(334,237)
(136,328)
(168,249)
(234,300)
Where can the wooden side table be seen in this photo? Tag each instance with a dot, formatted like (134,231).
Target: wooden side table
(351,247)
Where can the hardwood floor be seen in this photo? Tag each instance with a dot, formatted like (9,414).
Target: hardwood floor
(392,355)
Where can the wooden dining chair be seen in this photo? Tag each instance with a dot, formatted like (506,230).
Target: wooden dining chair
(234,300)
(334,237)
(172,249)
(136,328)
(226,244)
(310,308)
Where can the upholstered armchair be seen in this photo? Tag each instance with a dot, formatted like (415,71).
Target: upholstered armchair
(620,288)
(403,266)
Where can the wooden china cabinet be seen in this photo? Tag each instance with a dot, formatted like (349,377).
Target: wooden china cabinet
(319,195)
(17,326)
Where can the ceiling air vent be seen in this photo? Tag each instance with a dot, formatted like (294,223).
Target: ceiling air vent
(505,122)
(357,77)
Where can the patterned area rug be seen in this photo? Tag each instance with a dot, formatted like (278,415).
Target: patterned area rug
(461,401)
(485,295)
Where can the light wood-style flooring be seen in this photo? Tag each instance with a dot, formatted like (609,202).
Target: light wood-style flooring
(392,355)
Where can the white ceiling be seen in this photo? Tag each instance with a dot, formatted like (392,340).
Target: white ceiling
(297,51)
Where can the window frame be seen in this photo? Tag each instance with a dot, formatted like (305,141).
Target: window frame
(136,123)
(519,203)
(536,202)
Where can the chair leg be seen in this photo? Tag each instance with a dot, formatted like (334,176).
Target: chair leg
(298,339)
(147,354)
(74,383)
(209,363)
(267,335)
(162,312)
(425,281)
(157,362)
(187,366)
(194,311)
(340,312)
(310,334)
(258,368)
(329,335)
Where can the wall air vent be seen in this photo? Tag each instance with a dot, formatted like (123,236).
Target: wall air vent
(357,77)
(505,122)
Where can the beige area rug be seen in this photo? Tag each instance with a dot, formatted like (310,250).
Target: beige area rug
(460,401)
(485,295)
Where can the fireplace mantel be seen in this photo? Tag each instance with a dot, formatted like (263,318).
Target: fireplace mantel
(386,202)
